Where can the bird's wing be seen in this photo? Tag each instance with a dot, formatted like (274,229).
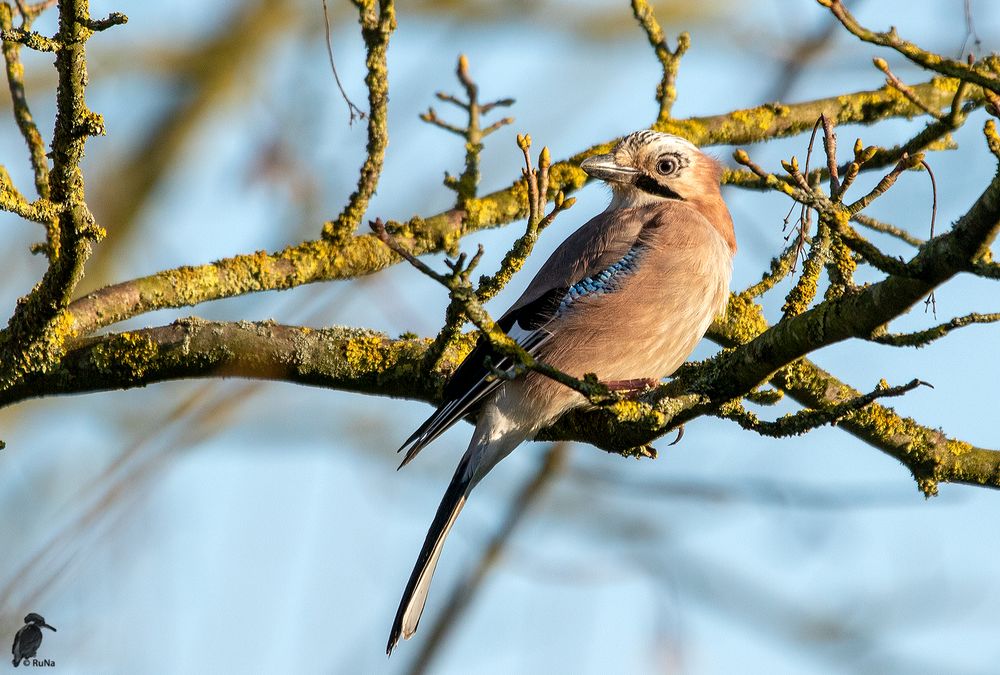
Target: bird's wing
(598,245)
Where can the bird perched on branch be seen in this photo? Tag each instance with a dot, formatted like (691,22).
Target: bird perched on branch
(627,297)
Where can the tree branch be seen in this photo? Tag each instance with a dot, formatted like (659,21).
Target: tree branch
(670,60)
(36,333)
(360,255)
(924,337)
(376,27)
(983,73)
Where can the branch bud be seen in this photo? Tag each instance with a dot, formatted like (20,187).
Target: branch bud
(544,159)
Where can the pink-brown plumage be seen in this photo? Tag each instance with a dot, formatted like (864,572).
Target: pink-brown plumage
(681,284)
(627,297)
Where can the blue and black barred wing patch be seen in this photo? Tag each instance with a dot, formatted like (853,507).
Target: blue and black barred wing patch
(605,281)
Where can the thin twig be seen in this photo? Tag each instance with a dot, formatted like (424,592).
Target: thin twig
(887,228)
(353,111)
(830,147)
(907,92)
(931,301)
(970,33)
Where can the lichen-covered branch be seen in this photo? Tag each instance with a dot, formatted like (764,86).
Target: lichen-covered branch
(339,358)
(377,24)
(924,337)
(804,421)
(315,261)
(930,455)
(983,73)
(22,113)
(670,59)
(36,333)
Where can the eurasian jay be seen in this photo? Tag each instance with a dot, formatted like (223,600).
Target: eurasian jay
(627,296)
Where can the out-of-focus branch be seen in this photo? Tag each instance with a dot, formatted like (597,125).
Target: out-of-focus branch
(465,590)
(670,59)
(208,73)
(22,113)
(473,132)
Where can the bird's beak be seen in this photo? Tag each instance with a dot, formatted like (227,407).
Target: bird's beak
(45,625)
(605,168)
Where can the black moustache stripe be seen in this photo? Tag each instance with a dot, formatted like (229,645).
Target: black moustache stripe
(647,184)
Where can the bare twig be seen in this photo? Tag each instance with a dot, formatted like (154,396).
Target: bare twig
(897,84)
(970,33)
(887,228)
(353,111)
(473,132)
(830,147)
(931,301)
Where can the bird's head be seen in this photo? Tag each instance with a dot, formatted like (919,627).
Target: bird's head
(37,620)
(649,166)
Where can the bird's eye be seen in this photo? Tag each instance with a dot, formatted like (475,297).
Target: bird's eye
(667,165)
